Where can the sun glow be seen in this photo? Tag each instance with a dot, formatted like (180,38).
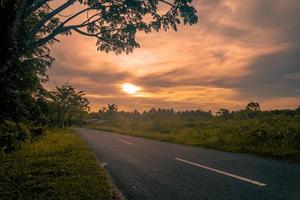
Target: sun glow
(130,88)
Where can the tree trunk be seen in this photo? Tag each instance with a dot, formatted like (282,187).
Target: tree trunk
(14,46)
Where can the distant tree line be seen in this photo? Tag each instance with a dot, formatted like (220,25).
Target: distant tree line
(249,130)
(251,110)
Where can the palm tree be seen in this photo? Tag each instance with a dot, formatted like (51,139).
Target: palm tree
(111,108)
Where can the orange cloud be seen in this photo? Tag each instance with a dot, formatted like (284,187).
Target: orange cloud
(240,51)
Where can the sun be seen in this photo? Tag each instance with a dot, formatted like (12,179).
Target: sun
(130,88)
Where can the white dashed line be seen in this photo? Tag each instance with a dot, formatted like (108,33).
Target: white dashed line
(222,172)
(125,142)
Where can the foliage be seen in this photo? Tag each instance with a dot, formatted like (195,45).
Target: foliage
(68,104)
(30,25)
(61,107)
(13,134)
(10,136)
(57,166)
(223,112)
(113,23)
(252,106)
(271,133)
(20,76)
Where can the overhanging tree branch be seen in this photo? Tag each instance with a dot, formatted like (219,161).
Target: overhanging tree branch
(41,23)
(84,33)
(60,29)
(166,2)
(75,15)
(114,19)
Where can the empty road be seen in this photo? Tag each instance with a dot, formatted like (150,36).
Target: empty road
(146,169)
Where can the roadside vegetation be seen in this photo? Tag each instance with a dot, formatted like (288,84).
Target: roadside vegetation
(57,165)
(269,133)
(61,107)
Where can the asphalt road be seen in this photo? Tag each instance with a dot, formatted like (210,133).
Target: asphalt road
(146,169)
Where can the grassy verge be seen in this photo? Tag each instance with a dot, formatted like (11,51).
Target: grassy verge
(277,138)
(59,165)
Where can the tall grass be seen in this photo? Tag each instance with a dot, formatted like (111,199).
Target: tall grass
(275,136)
(59,165)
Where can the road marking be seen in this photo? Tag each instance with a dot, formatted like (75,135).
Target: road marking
(222,172)
(104,135)
(125,142)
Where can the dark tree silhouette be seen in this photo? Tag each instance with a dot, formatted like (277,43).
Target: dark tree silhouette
(111,108)
(68,103)
(253,106)
(20,78)
(223,112)
(114,23)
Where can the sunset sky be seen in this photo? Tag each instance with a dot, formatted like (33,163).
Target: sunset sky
(239,51)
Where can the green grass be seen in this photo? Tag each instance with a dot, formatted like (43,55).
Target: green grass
(277,137)
(59,165)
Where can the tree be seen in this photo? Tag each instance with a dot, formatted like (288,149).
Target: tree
(20,78)
(253,107)
(297,110)
(223,112)
(68,104)
(41,108)
(114,23)
(108,112)
(112,108)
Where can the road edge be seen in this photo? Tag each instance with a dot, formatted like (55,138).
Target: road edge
(118,195)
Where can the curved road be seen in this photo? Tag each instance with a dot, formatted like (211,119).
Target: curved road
(146,169)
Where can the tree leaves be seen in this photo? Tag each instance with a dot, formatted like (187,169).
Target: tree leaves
(115,23)
(68,103)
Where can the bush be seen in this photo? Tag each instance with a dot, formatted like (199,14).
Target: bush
(36,132)
(12,134)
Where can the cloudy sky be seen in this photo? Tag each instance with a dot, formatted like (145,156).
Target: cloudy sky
(239,51)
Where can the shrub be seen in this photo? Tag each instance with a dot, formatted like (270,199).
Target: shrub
(36,132)
(12,134)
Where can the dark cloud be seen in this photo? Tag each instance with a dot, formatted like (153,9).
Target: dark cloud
(173,78)
(268,79)
(98,76)
(165,79)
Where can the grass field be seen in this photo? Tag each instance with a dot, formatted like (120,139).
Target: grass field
(59,165)
(273,136)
